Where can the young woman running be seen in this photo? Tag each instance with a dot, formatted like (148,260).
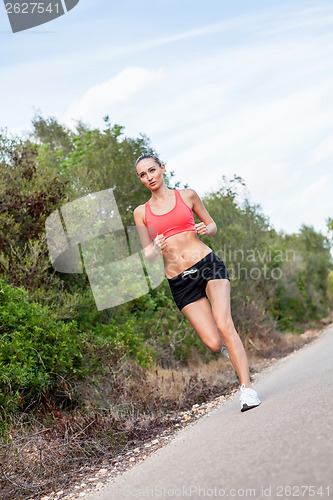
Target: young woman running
(198,279)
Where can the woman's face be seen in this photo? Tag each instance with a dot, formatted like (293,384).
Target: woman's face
(150,173)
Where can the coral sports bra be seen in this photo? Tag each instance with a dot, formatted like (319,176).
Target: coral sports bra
(179,219)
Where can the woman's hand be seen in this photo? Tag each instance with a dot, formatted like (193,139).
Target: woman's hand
(201,228)
(160,243)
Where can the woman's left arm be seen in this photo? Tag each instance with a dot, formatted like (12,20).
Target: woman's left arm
(207,226)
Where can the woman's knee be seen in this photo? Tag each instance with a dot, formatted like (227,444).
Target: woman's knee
(226,327)
(215,344)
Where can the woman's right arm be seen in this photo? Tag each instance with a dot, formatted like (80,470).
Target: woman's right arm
(151,250)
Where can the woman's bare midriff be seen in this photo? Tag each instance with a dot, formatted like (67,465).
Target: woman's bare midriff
(183,250)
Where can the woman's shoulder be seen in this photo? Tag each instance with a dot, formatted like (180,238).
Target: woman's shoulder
(187,190)
(139,209)
(188,193)
(139,213)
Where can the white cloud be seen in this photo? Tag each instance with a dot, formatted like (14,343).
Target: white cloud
(314,191)
(324,151)
(107,97)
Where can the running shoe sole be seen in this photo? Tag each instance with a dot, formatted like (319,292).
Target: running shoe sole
(246,407)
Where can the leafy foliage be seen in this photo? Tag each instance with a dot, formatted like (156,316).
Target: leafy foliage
(37,352)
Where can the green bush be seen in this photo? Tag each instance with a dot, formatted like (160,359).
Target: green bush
(37,352)
(330,287)
(123,339)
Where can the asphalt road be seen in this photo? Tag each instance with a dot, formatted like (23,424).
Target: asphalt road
(281,449)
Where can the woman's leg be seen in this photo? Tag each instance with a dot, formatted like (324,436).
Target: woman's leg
(218,293)
(199,313)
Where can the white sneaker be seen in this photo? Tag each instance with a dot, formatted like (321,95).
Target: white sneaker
(248,398)
(225,351)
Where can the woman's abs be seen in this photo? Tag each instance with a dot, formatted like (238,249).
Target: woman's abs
(182,251)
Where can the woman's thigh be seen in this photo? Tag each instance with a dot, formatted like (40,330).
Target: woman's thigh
(200,315)
(218,293)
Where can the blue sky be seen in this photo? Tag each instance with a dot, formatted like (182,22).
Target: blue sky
(220,87)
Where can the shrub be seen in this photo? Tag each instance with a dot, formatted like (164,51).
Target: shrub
(125,339)
(37,352)
(330,287)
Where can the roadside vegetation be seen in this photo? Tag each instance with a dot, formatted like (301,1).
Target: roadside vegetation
(80,385)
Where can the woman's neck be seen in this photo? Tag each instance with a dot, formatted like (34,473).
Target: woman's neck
(160,195)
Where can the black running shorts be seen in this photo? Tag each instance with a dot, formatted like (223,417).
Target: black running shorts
(190,285)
